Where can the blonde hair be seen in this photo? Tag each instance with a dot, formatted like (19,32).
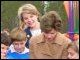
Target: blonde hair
(26,8)
(17,34)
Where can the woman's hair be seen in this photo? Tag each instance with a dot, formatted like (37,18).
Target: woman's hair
(29,9)
(49,21)
(5,39)
(18,34)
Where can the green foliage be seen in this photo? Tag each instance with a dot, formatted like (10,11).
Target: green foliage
(9,12)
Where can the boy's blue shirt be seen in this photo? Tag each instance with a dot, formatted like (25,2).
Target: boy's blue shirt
(12,54)
(16,55)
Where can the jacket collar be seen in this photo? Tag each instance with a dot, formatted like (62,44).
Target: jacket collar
(41,38)
(58,39)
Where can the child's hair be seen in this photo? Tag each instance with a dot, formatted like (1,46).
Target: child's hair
(5,39)
(18,34)
(73,46)
(28,8)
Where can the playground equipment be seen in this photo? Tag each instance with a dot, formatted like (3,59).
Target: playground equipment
(72,10)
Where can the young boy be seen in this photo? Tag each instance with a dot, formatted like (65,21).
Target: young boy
(18,50)
(5,43)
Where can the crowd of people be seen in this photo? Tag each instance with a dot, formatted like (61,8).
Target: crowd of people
(37,37)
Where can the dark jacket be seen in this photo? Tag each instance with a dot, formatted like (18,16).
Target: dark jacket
(28,33)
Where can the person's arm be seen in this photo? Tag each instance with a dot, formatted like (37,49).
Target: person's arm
(31,49)
(64,54)
(66,41)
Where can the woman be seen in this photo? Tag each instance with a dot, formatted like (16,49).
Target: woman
(28,16)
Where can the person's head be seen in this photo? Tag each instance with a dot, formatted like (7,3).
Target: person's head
(50,24)
(5,43)
(6,30)
(18,37)
(72,50)
(28,15)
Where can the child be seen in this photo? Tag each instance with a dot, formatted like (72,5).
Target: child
(18,51)
(5,43)
(73,52)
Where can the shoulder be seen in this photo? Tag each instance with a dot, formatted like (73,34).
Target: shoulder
(67,40)
(35,39)
(64,39)
(10,57)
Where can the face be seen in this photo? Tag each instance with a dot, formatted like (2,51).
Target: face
(50,35)
(4,50)
(70,51)
(72,54)
(19,46)
(30,19)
